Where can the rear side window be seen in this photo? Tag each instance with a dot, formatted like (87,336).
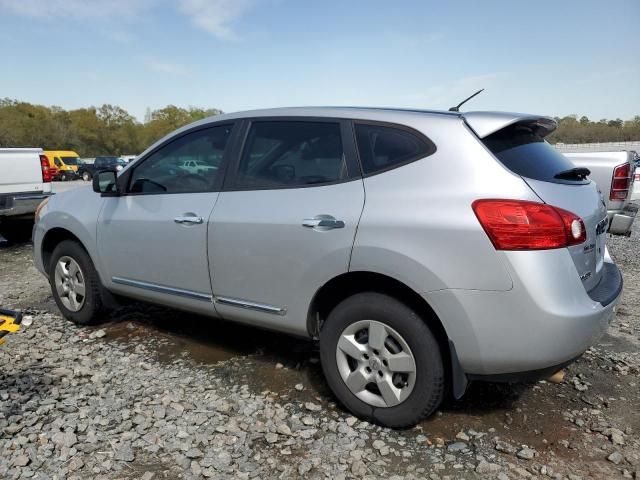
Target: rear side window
(381,148)
(527,154)
(285,154)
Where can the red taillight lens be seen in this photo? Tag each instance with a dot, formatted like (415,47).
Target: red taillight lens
(523,225)
(47,174)
(620,182)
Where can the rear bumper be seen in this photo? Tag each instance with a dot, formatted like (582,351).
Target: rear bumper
(545,321)
(621,221)
(21,203)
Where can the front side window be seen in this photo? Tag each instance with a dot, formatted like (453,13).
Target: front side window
(382,147)
(285,154)
(165,172)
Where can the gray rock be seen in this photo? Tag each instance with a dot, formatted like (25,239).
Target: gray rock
(457,447)
(505,447)
(615,457)
(124,453)
(526,453)
(21,461)
(194,453)
(312,407)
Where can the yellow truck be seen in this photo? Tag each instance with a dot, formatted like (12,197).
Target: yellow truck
(67,162)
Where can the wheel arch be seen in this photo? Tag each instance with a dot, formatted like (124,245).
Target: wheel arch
(350,283)
(53,238)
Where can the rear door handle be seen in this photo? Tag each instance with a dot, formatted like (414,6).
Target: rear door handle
(322,222)
(191,220)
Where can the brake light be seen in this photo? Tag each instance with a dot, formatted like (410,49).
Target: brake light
(524,225)
(47,174)
(620,182)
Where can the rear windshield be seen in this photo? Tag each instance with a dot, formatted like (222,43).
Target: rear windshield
(527,154)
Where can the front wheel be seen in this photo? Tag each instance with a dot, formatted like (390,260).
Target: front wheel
(381,360)
(75,284)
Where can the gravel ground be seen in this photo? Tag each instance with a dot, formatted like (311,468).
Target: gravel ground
(161,394)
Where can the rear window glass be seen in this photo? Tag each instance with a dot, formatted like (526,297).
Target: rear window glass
(527,154)
(381,148)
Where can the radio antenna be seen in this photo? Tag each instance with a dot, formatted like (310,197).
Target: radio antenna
(457,107)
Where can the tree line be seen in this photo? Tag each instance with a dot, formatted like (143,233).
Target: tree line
(574,129)
(111,130)
(93,131)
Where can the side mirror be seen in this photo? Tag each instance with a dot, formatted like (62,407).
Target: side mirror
(105,183)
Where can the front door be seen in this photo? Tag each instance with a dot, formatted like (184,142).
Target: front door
(286,223)
(153,239)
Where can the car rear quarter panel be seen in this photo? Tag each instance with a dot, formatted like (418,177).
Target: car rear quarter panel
(418,225)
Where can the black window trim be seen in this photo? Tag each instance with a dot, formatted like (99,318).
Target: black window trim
(125,178)
(398,126)
(348,147)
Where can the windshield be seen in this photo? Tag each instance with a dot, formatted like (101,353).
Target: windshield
(71,160)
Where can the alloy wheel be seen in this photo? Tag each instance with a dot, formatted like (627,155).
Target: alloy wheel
(376,363)
(70,283)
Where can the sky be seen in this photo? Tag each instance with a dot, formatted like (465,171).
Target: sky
(547,57)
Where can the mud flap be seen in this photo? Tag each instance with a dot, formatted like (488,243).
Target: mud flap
(459,380)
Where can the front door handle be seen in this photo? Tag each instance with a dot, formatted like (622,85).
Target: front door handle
(322,222)
(188,219)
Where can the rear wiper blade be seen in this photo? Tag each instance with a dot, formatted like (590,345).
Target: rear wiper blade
(578,173)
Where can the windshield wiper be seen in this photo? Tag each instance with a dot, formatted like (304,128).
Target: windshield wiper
(578,173)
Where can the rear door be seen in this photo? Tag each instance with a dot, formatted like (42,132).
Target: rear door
(286,221)
(521,148)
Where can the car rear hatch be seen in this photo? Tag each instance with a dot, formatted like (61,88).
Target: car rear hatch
(517,141)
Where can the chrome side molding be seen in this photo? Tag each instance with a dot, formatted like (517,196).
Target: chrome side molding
(260,307)
(154,287)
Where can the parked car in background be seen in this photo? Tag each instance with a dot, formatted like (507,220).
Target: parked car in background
(437,279)
(613,172)
(66,161)
(25,181)
(87,170)
(196,166)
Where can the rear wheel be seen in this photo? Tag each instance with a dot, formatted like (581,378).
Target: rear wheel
(86,176)
(75,284)
(381,360)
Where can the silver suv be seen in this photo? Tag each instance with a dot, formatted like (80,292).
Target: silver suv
(422,249)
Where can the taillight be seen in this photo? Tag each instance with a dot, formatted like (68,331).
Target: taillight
(620,182)
(47,174)
(523,225)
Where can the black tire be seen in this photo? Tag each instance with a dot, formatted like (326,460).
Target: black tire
(93,308)
(428,390)
(16,231)
(86,176)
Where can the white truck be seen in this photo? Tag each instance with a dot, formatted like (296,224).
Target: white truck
(25,180)
(613,172)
